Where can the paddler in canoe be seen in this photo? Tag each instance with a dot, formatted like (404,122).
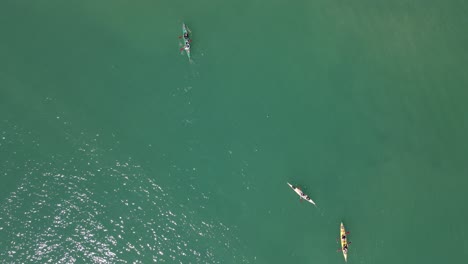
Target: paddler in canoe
(301,194)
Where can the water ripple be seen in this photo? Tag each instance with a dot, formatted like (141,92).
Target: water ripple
(87,207)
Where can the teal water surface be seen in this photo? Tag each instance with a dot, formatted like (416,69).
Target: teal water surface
(115,149)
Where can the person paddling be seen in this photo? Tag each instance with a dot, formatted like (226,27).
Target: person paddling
(345,248)
(344,236)
(185,36)
(187,45)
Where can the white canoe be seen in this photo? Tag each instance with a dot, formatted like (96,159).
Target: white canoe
(301,194)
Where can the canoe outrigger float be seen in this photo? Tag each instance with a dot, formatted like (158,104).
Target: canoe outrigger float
(301,194)
(187,40)
(344,241)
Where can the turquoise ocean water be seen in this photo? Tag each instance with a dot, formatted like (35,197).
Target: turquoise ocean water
(115,149)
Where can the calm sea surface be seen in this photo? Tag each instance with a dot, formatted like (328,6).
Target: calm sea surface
(115,149)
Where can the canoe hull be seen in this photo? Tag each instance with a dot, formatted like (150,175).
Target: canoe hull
(185,31)
(343,241)
(300,193)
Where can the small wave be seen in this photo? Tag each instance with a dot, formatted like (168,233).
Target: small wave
(88,207)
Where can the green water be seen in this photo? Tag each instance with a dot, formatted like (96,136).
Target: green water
(115,149)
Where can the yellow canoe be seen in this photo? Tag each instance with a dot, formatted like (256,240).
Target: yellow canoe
(344,241)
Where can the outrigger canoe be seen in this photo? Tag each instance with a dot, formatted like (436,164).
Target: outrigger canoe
(344,241)
(301,194)
(186,37)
